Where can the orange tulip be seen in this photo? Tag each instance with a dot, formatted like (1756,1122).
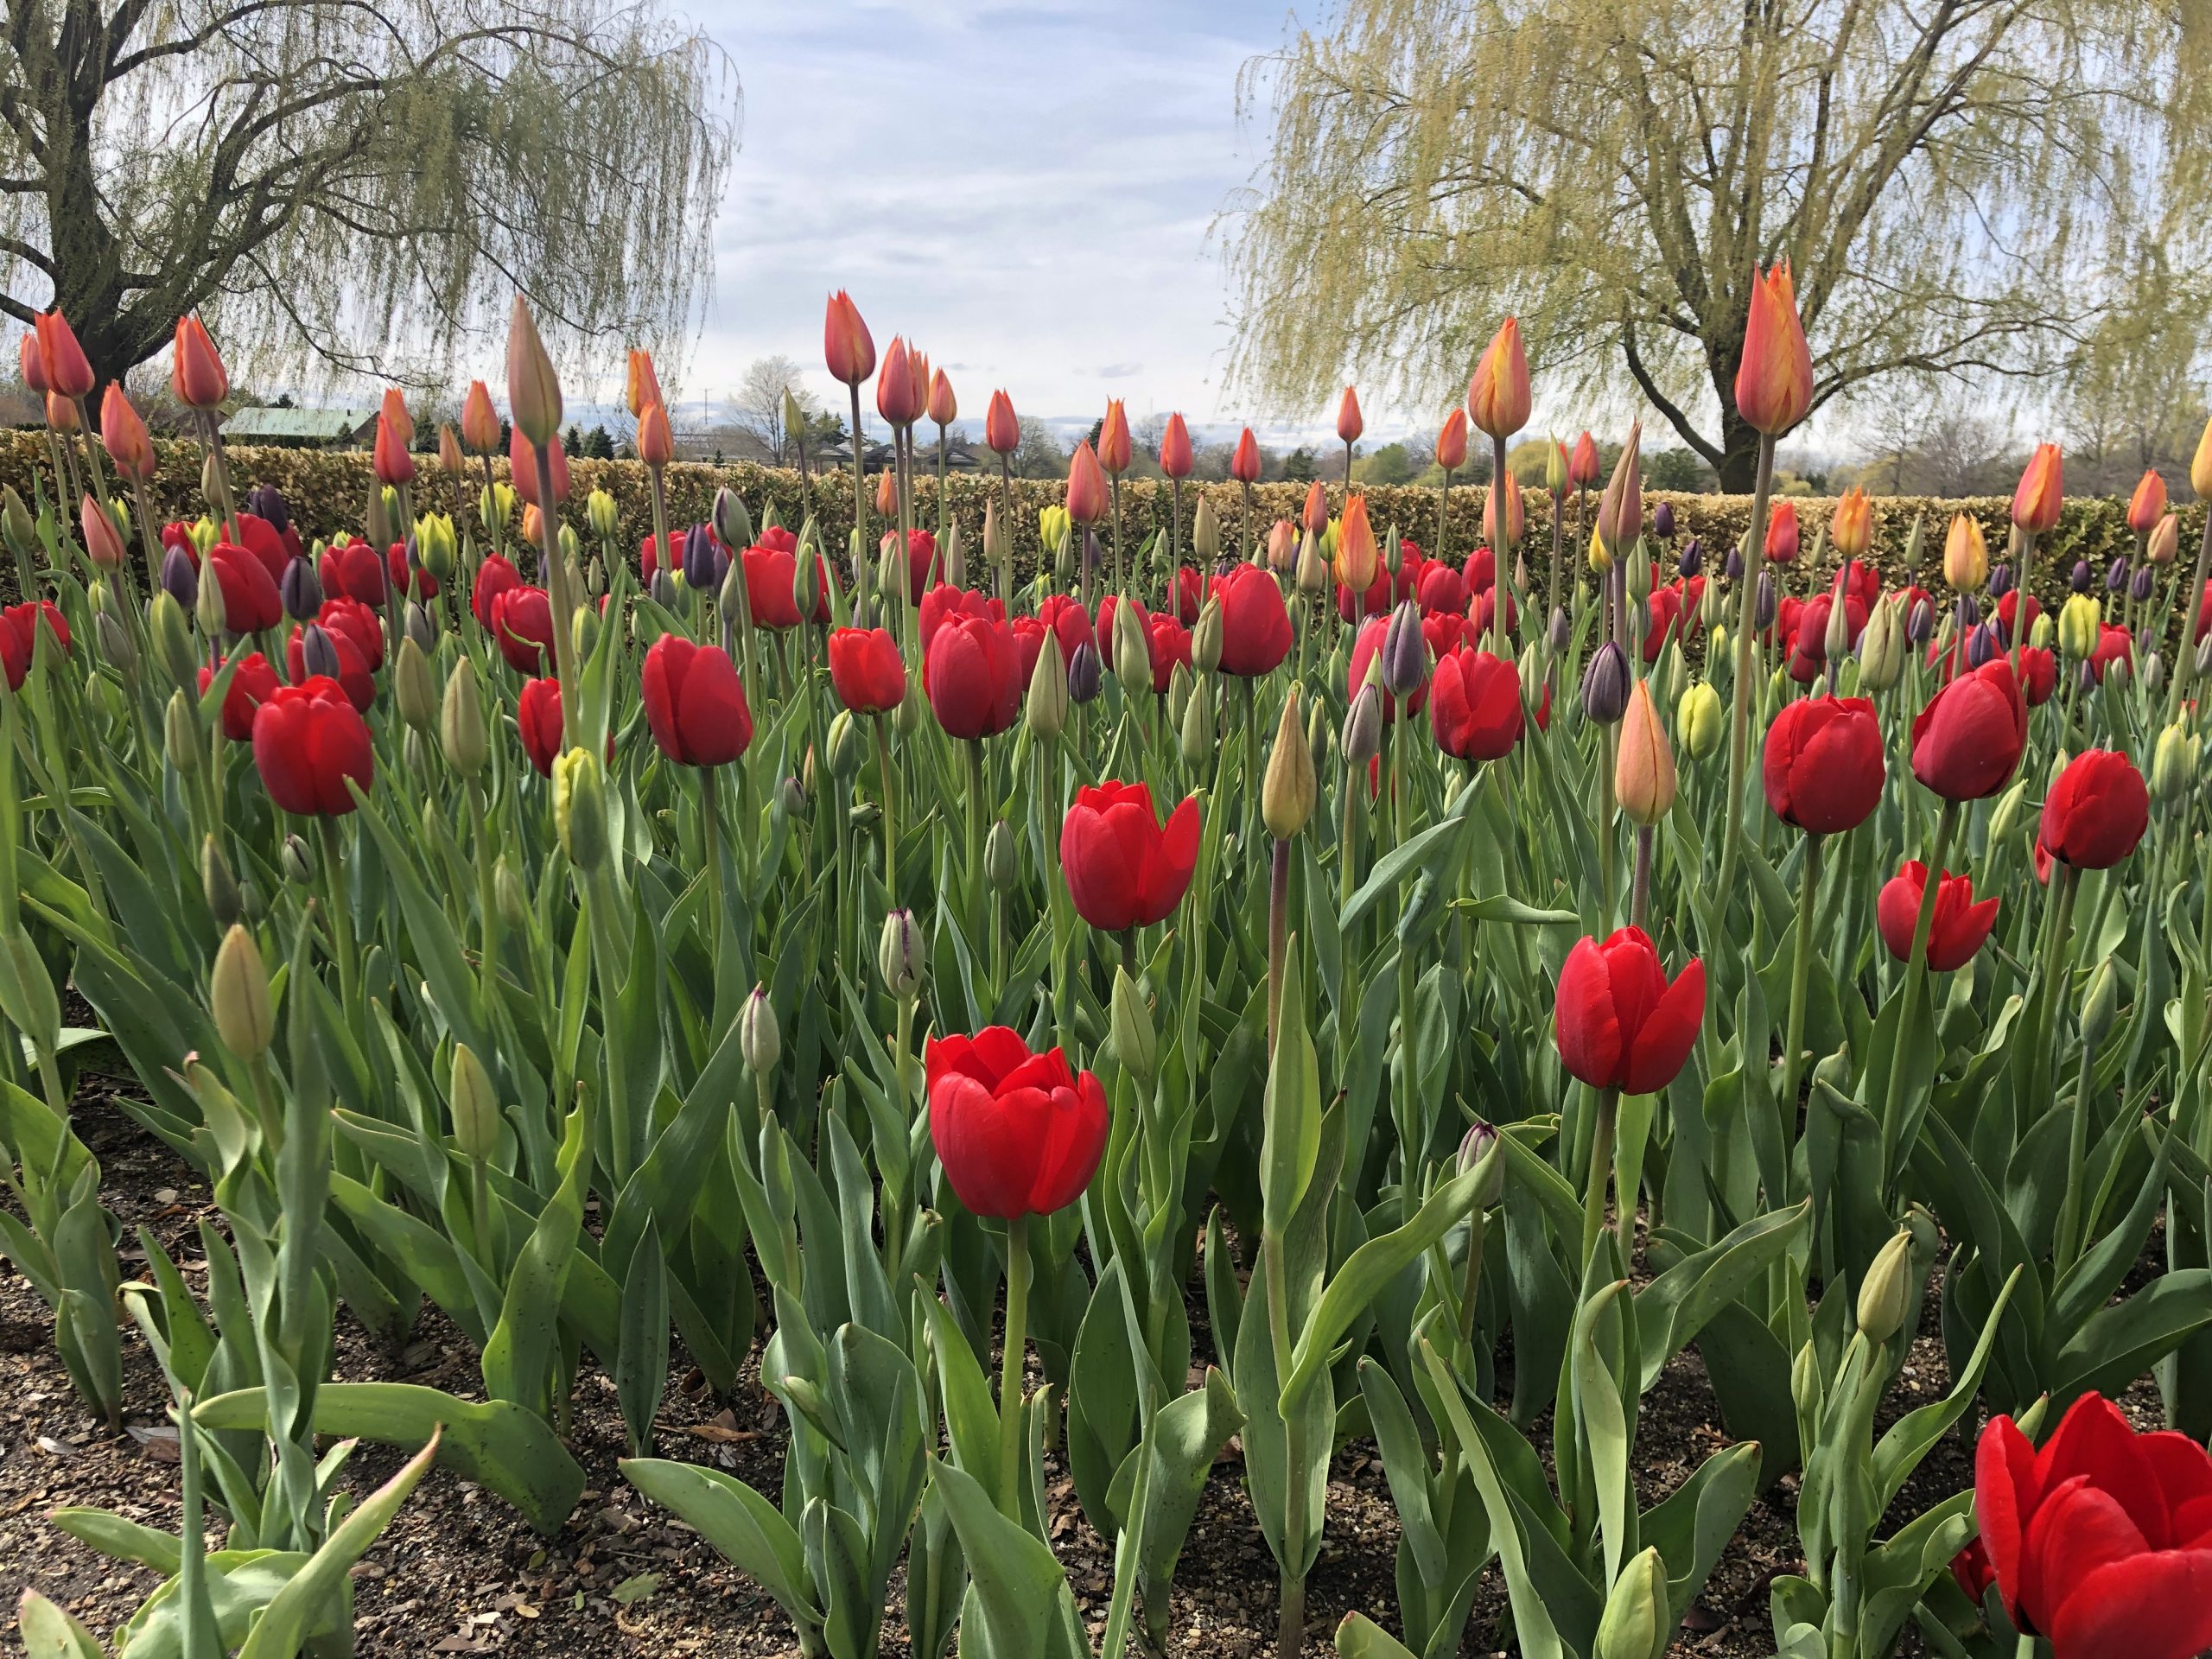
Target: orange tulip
(394,409)
(1620,510)
(847,346)
(1001,431)
(533,389)
(1356,554)
(60,413)
(2042,488)
(641,386)
(103,546)
(67,370)
(1774,377)
(1516,513)
(1175,448)
(196,371)
(1452,442)
(1086,485)
(886,494)
(449,448)
(1244,465)
(1348,425)
(944,408)
(479,422)
(896,399)
(522,466)
(1114,438)
(2200,466)
(1497,395)
(2148,505)
(1316,517)
(33,363)
(1850,531)
(393,464)
(533,524)
(656,443)
(123,434)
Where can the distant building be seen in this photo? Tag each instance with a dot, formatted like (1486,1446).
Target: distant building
(303,429)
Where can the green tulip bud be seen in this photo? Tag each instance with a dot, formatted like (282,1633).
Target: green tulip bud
(793,798)
(1288,790)
(475,1105)
(845,756)
(1700,719)
(1181,683)
(219,886)
(1479,1150)
(1882,646)
(1206,637)
(2040,631)
(1311,572)
(2100,1005)
(460,723)
(211,480)
(1915,542)
(1132,651)
(508,892)
(1885,1290)
(1717,654)
(115,647)
(17,527)
(759,1038)
(1046,707)
(2004,816)
(2078,622)
(413,689)
(583,630)
(1636,1625)
(1001,856)
(952,557)
(899,955)
(1206,533)
(181,734)
(906,718)
(170,636)
(237,995)
(580,808)
(600,514)
(208,608)
(437,545)
(733,522)
(1362,740)
(1196,735)
(1136,1045)
(2173,763)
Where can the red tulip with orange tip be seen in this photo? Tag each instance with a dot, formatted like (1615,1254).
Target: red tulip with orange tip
(1582,465)
(124,436)
(479,422)
(68,372)
(1001,430)
(1774,377)
(31,364)
(1350,424)
(1086,485)
(656,442)
(1244,463)
(1175,448)
(1114,451)
(898,399)
(1452,442)
(391,460)
(846,346)
(2042,491)
(1497,395)
(196,371)
(2148,503)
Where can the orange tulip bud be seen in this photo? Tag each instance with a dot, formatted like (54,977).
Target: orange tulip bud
(533,524)
(449,448)
(392,463)
(1582,465)
(886,494)
(1349,423)
(944,408)
(1316,517)
(103,545)
(1114,439)
(656,443)
(1244,465)
(2148,505)
(847,346)
(640,384)
(533,389)
(196,371)
(33,363)
(1356,554)
(394,409)
(1774,377)
(1086,485)
(60,413)
(2200,466)
(1175,448)
(67,371)
(479,422)
(1516,513)
(522,463)
(1497,395)
(1001,431)
(1850,531)
(123,434)
(1452,442)
(894,387)
(2042,488)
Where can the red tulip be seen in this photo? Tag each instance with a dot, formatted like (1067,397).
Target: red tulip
(1316,515)
(2041,490)
(18,637)
(944,408)
(1114,438)
(1175,448)
(1366,645)
(1349,423)
(923,571)
(1619,1023)
(1967,740)
(1782,533)
(196,371)
(2008,608)
(1086,485)
(897,398)
(1070,623)
(124,436)
(1475,705)
(2115,644)
(537,715)
(479,422)
(1971,1571)
(32,363)
(352,568)
(971,674)
(1482,610)
(867,670)
(393,409)
(1582,465)
(1446,633)
(1452,442)
(1001,431)
(1170,643)
(1255,633)
(846,346)
(2148,505)
(2100,1540)
(252,684)
(945,602)
(353,673)
(412,581)
(1441,588)
(522,625)
(494,576)
(251,601)
(695,702)
(308,742)
(68,372)
(1124,869)
(1497,395)
(1244,464)
(1823,765)
(2096,811)
(1018,1133)
(1959,925)
(2038,674)
(1774,377)
(770,567)
(103,542)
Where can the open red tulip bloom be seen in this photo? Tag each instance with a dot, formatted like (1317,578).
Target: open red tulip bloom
(309,741)
(1475,705)
(1018,1133)
(1619,1023)
(694,703)
(1958,928)
(1823,764)
(2096,811)
(1966,742)
(2102,1541)
(865,667)
(1124,869)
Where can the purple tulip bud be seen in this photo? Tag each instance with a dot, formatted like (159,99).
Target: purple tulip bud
(1733,565)
(698,560)
(2138,585)
(1693,559)
(266,502)
(180,580)
(1405,653)
(1605,685)
(2082,577)
(665,589)
(1094,556)
(318,654)
(1764,604)
(1920,622)
(2116,575)
(303,590)
(1981,646)
(2154,672)
(420,628)
(1085,672)
(2000,582)
(1662,521)
(1966,612)
(1563,631)
(2086,677)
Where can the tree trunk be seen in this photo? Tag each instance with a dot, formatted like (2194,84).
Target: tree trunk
(1739,451)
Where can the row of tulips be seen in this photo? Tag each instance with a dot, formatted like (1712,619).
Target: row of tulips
(1390,958)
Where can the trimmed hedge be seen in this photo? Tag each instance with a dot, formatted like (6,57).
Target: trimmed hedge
(326,490)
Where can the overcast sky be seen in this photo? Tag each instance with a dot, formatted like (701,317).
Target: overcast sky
(1026,190)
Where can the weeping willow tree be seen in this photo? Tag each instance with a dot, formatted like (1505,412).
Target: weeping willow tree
(1955,181)
(356,186)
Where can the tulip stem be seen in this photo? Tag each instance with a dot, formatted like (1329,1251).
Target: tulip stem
(2068,1242)
(1639,890)
(1278,934)
(1800,973)
(1601,1175)
(1502,535)
(1731,840)
(890,825)
(974,836)
(858,552)
(1011,1438)
(487,903)
(2065,882)
(342,921)
(1916,975)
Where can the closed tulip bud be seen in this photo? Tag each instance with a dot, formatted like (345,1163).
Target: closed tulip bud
(1807,1390)
(1288,790)
(2154,672)
(899,955)
(2164,540)
(209,609)
(1558,474)
(1692,560)
(1620,511)
(1733,566)
(413,689)
(1643,774)
(1700,719)
(115,647)
(1636,1623)
(1046,707)
(1885,1291)
(170,636)
(1205,533)
(416,627)
(1497,395)
(1132,651)
(1452,442)
(2140,583)
(996,549)
(2081,577)
(844,749)
(1312,570)
(1362,738)
(237,995)
(1764,603)
(533,389)
(2116,672)
(1966,554)
(732,520)
(1205,637)
(1716,654)
(320,652)
(1637,575)
(583,633)
(1001,856)
(196,372)
(759,1039)
(17,527)
(665,593)
(1981,644)
(1282,548)
(2201,663)
(1404,657)
(2042,491)
(1086,673)
(1920,621)
(1195,735)
(1605,685)
(474,1103)
(1881,646)
(437,545)
(1478,1148)
(1835,643)
(1136,1045)
(449,456)
(580,808)
(2100,1005)
(2079,620)
(2116,575)
(600,515)
(2085,679)
(219,886)
(460,723)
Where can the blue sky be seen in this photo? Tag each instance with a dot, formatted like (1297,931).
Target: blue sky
(1026,190)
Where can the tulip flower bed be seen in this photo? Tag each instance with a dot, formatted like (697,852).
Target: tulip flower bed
(1234,1084)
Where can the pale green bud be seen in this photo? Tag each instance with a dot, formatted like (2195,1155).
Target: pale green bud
(1136,1045)
(181,734)
(2100,1005)
(1700,721)
(759,1038)
(1636,1625)
(1206,533)
(219,886)
(600,514)
(460,723)
(1885,1290)
(237,995)
(899,955)
(413,689)
(1206,636)
(580,808)
(475,1105)
(1288,790)
(1196,734)
(2173,764)
(1047,705)
(1001,856)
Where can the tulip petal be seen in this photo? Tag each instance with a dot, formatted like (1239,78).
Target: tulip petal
(2154,1605)
(1669,1033)
(2005,1488)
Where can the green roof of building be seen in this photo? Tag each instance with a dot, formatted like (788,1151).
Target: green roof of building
(309,425)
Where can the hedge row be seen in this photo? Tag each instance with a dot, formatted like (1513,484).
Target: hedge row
(326,490)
